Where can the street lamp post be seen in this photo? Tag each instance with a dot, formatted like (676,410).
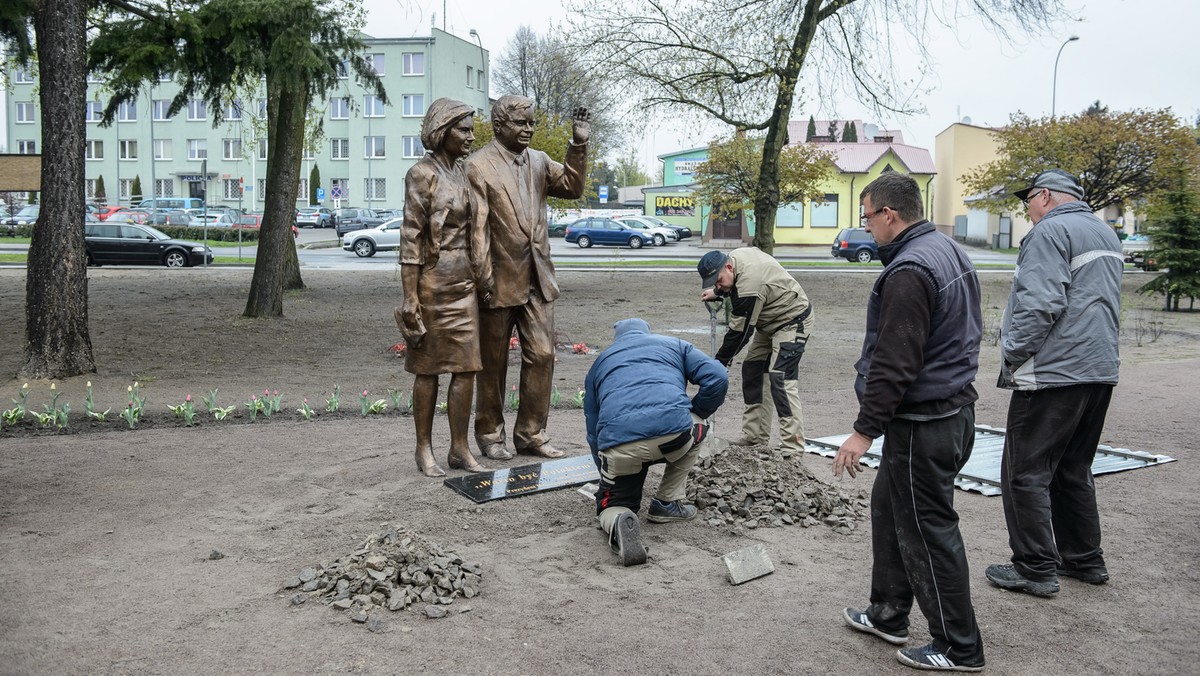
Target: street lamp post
(482,61)
(1054,90)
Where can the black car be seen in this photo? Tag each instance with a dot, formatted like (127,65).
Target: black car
(855,244)
(134,244)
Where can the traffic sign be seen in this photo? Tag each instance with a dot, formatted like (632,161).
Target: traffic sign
(338,192)
(603,194)
(320,194)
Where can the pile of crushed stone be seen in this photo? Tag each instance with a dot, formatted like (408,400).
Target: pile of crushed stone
(392,570)
(756,487)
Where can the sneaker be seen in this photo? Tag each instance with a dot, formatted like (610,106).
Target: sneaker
(859,620)
(929,657)
(1090,576)
(1005,576)
(626,540)
(666,512)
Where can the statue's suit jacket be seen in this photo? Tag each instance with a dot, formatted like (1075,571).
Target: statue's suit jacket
(512,248)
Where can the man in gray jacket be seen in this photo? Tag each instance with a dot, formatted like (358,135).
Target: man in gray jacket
(1058,341)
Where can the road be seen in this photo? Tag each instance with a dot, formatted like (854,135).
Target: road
(319,249)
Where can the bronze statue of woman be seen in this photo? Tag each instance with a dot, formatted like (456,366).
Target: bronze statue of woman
(440,315)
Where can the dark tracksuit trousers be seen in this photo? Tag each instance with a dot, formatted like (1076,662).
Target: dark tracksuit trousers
(1049,493)
(918,549)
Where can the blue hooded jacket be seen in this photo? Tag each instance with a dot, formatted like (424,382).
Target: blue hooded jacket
(637,388)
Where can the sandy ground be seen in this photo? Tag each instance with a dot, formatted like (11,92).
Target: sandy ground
(105,534)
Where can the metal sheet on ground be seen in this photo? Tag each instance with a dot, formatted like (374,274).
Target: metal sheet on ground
(982,473)
(526,479)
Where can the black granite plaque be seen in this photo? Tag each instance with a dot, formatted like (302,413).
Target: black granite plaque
(526,479)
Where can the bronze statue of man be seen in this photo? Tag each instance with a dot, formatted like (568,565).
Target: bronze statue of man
(509,185)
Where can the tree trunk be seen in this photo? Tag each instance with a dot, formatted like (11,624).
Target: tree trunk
(276,246)
(57,344)
(766,203)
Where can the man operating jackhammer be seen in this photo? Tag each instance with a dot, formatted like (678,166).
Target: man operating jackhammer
(638,414)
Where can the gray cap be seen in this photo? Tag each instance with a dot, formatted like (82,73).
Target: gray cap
(1056,180)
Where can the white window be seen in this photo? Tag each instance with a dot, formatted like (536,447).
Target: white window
(25,114)
(374,147)
(339,186)
(89,189)
(375,189)
(93,150)
(94,111)
(261,189)
(162,148)
(161,106)
(197,110)
(233,189)
(94,78)
(262,109)
(372,106)
(27,147)
(231,148)
(308,154)
(197,149)
(164,187)
(339,108)
(124,188)
(127,111)
(302,193)
(24,76)
(413,147)
(825,214)
(342,70)
(339,148)
(470,76)
(234,111)
(479,79)
(262,149)
(413,63)
(375,61)
(414,105)
(127,149)
(164,77)
(790,216)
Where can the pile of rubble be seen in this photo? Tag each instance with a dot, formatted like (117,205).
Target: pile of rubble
(756,487)
(393,570)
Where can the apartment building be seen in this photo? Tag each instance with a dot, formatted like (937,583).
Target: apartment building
(365,150)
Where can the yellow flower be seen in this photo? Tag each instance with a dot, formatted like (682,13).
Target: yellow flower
(51,387)
(89,383)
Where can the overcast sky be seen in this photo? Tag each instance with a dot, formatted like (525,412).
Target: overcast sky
(1131,54)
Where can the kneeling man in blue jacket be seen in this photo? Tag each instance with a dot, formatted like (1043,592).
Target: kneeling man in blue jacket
(638,414)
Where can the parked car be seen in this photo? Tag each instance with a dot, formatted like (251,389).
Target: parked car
(129,216)
(383,237)
(855,244)
(314,217)
(254,222)
(682,232)
(132,244)
(588,231)
(1134,248)
(351,218)
(28,215)
(661,235)
(388,214)
(176,217)
(557,229)
(170,203)
(104,213)
(212,221)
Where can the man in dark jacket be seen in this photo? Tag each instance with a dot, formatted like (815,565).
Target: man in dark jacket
(1058,341)
(638,413)
(914,385)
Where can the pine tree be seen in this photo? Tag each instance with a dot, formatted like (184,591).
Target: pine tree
(100,193)
(1174,229)
(314,182)
(135,191)
(812,129)
(833,132)
(849,133)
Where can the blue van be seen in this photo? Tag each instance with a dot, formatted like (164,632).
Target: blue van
(170,203)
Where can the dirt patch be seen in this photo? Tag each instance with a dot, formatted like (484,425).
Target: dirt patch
(106,536)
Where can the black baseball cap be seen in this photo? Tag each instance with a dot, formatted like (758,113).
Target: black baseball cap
(1056,180)
(709,266)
